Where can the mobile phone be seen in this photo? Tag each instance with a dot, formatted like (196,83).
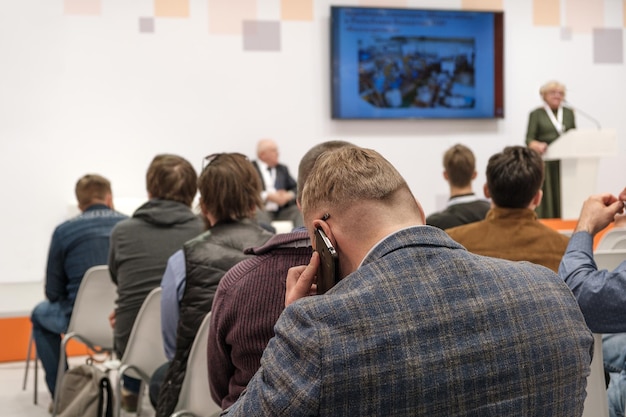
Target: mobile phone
(328,271)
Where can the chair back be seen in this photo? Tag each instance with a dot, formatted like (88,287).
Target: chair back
(194,397)
(89,322)
(610,258)
(613,239)
(596,402)
(94,302)
(144,351)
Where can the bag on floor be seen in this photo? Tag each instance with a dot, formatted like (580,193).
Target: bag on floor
(85,392)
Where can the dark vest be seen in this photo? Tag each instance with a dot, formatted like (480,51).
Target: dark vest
(207,258)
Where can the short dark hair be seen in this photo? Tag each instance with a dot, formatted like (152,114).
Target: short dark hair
(308,160)
(230,187)
(514,176)
(171,177)
(460,164)
(91,187)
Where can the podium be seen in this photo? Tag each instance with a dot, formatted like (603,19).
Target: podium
(579,151)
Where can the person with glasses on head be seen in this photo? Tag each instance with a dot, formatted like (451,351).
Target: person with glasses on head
(250,298)
(545,125)
(279,187)
(230,192)
(141,246)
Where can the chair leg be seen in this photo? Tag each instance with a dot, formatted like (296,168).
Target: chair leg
(29,351)
(36,365)
(118,393)
(142,387)
(60,373)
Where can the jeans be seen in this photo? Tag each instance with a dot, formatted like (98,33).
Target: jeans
(50,320)
(614,355)
(131,384)
(156,381)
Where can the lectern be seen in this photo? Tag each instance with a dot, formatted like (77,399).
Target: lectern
(579,151)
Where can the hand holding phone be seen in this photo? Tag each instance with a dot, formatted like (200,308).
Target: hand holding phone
(328,271)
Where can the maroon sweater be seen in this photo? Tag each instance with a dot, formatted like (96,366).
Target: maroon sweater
(248,301)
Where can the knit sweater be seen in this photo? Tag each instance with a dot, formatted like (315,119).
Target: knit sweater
(249,299)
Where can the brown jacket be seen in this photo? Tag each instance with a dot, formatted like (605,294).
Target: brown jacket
(513,234)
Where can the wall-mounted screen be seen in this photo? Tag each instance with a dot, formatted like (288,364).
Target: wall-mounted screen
(390,63)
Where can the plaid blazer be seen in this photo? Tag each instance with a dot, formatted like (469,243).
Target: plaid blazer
(426,328)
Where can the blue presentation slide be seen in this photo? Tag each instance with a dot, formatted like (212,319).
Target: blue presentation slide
(404,63)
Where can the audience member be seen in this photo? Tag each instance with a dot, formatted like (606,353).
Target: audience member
(141,246)
(545,125)
(250,298)
(229,197)
(463,206)
(511,229)
(418,326)
(77,245)
(279,187)
(601,294)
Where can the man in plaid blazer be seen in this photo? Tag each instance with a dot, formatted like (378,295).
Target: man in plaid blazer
(418,326)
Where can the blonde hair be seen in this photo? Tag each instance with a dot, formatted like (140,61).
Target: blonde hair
(551,85)
(349,174)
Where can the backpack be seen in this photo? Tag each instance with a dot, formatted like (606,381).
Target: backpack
(85,392)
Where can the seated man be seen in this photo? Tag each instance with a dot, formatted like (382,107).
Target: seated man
(142,244)
(279,187)
(77,245)
(463,206)
(417,325)
(511,229)
(249,300)
(601,294)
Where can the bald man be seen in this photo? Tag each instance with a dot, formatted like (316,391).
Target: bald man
(279,187)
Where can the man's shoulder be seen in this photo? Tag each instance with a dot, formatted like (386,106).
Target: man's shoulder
(466,229)
(554,235)
(88,219)
(271,265)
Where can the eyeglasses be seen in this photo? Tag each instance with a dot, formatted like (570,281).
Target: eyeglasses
(207,160)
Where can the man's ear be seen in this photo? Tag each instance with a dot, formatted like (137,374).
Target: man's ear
(445,175)
(486,191)
(474,175)
(109,201)
(326,228)
(536,199)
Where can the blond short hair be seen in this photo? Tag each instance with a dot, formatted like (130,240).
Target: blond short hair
(551,85)
(347,175)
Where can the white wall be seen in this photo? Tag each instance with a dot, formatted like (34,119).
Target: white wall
(85,94)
